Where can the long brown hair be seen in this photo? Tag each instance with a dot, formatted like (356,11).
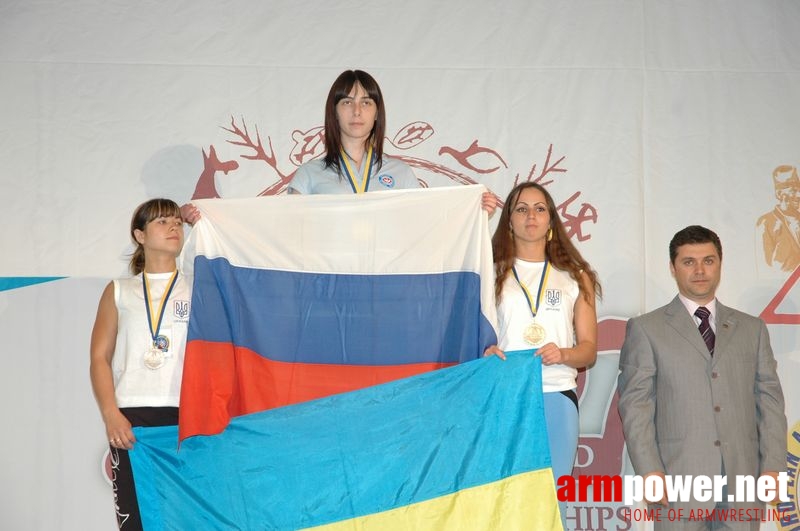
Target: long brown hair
(559,250)
(333,137)
(144,214)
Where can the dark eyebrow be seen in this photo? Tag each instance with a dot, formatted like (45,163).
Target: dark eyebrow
(361,98)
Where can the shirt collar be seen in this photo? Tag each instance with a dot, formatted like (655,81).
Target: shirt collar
(691,306)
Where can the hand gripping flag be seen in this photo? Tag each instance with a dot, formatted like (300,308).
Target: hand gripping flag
(300,297)
(459,449)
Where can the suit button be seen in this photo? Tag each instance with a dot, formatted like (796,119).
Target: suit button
(714,374)
(717,409)
(717,443)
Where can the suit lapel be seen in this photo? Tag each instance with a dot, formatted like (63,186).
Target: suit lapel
(726,326)
(679,319)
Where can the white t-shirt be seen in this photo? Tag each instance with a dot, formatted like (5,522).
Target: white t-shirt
(555,314)
(314,178)
(135,385)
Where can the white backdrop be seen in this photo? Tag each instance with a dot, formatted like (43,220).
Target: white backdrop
(642,116)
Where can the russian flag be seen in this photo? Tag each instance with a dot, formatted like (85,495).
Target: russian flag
(462,448)
(300,297)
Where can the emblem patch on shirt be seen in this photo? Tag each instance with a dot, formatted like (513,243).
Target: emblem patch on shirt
(553,297)
(181,310)
(386,180)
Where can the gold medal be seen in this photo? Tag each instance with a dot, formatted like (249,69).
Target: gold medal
(154,358)
(534,334)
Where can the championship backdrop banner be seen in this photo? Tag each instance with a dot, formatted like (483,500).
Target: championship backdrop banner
(639,117)
(460,448)
(300,297)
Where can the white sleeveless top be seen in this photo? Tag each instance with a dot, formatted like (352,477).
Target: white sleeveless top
(555,314)
(135,385)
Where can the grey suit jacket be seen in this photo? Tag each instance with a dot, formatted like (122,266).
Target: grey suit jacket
(685,412)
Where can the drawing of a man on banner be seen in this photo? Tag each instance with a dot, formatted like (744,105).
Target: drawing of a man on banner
(780,227)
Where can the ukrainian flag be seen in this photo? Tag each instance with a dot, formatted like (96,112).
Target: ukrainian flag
(462,448)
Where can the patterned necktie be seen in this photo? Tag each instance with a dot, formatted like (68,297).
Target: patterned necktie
(705,328)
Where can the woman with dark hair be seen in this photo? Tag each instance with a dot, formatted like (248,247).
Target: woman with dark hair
(138,342)
(354,162)
(545,294)
(355,125)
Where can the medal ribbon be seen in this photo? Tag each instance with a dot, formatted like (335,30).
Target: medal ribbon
(161,307)
(358,187)
(542,284)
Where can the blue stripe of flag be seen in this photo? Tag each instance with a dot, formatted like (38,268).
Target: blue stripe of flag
(338,318)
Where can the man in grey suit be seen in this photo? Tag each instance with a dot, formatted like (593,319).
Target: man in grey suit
(698,389)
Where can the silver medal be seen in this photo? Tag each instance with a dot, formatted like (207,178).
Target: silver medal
(154,359)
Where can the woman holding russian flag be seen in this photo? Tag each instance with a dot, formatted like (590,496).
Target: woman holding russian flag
(138,343)
(546,295)
(355,126)
(354,162)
